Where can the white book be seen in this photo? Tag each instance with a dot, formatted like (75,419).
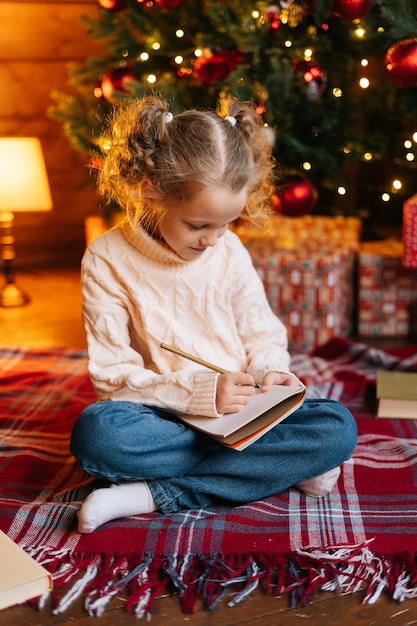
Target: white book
(21,577)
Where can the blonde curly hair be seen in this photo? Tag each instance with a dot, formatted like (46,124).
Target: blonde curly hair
(184,154)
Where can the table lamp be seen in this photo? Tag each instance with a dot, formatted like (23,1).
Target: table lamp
(23,187)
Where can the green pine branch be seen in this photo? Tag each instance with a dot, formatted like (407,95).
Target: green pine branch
(311,122)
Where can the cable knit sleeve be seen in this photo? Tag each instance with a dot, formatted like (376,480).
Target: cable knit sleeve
(117,369)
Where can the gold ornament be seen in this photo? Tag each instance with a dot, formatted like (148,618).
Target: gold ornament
(292,13)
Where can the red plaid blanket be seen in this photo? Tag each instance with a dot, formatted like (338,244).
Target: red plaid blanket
(360,536)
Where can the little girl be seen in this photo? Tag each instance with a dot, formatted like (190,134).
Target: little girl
(173,272)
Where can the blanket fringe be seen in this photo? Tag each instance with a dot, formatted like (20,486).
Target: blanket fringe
(341,569)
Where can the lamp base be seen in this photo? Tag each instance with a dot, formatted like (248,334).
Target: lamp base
(12,295)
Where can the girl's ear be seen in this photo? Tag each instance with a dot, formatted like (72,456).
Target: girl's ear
(149,193)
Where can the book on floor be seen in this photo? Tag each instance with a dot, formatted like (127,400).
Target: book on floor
(263,412)
(21,577)
(396,394)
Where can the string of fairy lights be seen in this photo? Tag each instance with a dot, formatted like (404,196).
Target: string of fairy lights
(185,67)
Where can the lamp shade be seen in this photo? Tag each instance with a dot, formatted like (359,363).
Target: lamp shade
(24,182)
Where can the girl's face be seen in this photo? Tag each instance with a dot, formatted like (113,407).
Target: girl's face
(190,227)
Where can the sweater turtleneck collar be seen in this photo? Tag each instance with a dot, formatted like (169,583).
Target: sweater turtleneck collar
(155,250)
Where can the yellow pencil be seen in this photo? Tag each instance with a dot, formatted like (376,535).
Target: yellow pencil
(190,357)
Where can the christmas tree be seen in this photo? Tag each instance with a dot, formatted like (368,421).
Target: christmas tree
(335,79)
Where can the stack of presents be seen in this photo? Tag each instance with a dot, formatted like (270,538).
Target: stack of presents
(386,292)
(323,282)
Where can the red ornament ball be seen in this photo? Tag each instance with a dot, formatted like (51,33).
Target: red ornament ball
(112,5)
(211,68)
(401,63)
(314,77)
(170,5)
(297,196)
(118,79)
(352,10)
(272,14)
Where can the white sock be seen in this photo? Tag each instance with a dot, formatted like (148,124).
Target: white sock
(103,505)
(321,485)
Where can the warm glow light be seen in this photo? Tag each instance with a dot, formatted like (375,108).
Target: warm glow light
(179,59)
(346,150)
(288,43)
(144,56)
(368,156)
(308,53)
(151,78)
(198,52)
(364,62)
(184,71)
(24,186)
(385,197)
(156,45)
(306,165)
(341,191)
(410,156)
(396,184)
(364,83)
(360,32)
(337,92)
(415,137)
(180,33)
(255,15)
(408,144)
(24,183)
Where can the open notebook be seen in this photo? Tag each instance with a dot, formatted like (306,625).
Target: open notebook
(263,412)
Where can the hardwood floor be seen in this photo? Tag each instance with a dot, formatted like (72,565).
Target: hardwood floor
(257,610)
(53,319)
(53,316)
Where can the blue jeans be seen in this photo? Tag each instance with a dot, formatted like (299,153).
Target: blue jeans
(184,469)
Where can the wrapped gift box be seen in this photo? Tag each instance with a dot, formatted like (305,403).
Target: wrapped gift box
(307,265)
(410,232)
(290,233)
(387,290)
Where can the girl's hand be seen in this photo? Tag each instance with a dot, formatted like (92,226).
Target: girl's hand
(277,378)
(234,391)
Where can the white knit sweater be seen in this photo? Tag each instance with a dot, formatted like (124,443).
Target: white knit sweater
(138,293)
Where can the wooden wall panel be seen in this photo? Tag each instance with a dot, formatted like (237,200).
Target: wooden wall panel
(39,39)
(45,30)
(26,87)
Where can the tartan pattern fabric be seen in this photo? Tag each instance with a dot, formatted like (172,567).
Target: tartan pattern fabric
(360,535)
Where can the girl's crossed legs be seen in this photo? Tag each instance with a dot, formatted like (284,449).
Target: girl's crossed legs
(158,463)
